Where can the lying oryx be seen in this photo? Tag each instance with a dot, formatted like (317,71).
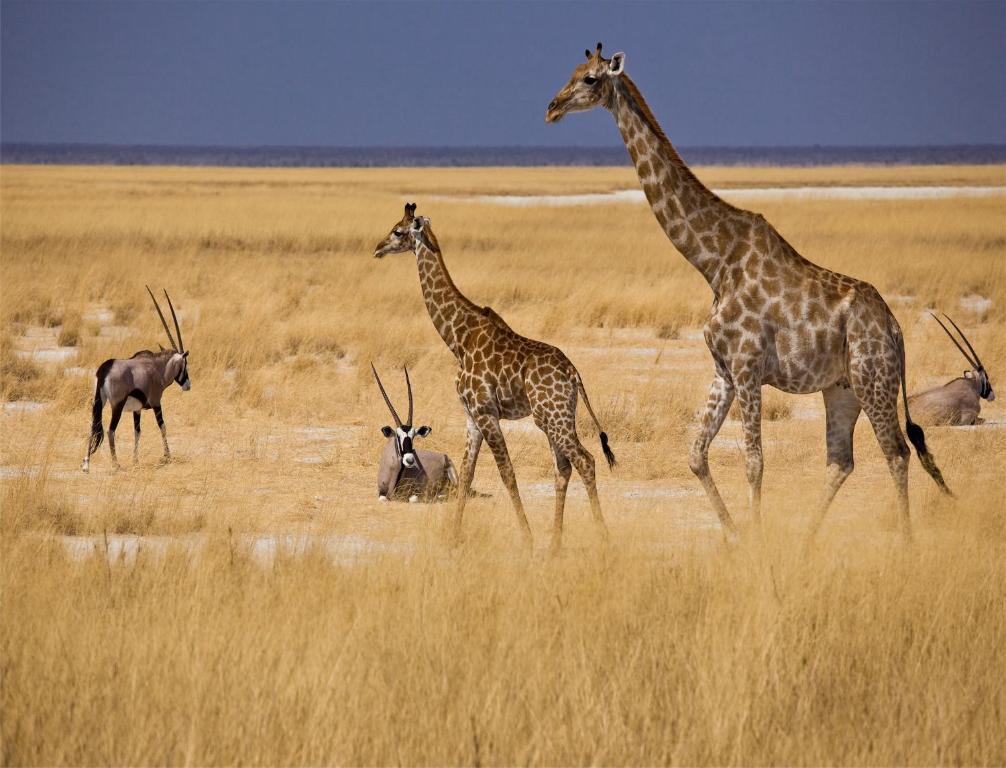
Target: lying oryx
(135,384)
(957,402)
(405,471)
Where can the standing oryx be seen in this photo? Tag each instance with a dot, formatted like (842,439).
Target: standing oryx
(957,402)
(135,384)
(406,471)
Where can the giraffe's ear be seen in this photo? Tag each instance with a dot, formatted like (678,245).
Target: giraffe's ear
(419,223)
(617,64)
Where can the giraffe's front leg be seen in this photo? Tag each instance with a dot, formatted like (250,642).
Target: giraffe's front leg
(488,424)
(749,398)
(472,446)
(721,396)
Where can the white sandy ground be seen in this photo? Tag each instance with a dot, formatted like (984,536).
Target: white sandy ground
(745,194)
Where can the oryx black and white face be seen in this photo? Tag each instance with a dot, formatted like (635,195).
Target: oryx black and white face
(182,378)
(977,375)
(981,379)
(404,436)
(178,365)
(403,432)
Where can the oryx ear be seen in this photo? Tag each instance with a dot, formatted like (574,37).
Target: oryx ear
(387,431)
(968,375)
(617,64)
(424,431)
(185,353)
(161,347)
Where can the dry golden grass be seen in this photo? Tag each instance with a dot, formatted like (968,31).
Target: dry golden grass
(276,613)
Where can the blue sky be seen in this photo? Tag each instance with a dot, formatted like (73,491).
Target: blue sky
(447,74)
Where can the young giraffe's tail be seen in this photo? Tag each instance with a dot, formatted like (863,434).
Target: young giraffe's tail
(915,433)
(608,453)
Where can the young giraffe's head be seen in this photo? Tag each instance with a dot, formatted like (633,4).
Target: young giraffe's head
(404,236)
(592,84)
(401,237)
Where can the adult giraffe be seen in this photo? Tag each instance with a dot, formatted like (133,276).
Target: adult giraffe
(501,375)
(776,319)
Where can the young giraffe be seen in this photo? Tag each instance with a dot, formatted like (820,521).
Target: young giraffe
(776,319)
(501,375)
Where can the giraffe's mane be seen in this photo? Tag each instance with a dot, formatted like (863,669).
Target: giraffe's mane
(433,245)
(638,103)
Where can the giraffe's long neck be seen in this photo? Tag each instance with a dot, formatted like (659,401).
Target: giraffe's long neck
(687,210)
(449,308)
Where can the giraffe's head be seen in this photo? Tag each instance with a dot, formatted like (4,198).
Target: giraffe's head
(401,237)
(592,84)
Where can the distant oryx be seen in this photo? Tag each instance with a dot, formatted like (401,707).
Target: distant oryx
(135,384)
(957,402)
(405,471)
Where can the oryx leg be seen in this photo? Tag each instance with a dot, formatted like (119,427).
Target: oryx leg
(116,415)
(721,396)
(842,409)
(749,397)
(472,446)
(136,437)
(164,433)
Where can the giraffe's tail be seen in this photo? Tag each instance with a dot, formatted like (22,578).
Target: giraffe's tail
(915,434)
(609,455)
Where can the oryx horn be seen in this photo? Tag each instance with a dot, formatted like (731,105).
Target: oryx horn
(394,413)
(163,321)
(976,363)
(178,328)
(408,384)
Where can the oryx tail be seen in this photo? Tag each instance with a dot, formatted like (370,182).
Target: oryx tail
(608,453)
(97,430)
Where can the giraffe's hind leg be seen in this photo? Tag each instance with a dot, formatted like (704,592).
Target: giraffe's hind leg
(721,395)
(875,379)
(842,410)
(554,411)
(563,469)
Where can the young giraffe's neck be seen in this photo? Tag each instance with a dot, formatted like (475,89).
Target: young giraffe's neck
(686,209)
(449,308)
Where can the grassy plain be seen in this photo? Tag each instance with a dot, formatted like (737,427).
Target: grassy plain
(276,613)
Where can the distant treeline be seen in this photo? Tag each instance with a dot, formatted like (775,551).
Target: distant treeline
(363,157)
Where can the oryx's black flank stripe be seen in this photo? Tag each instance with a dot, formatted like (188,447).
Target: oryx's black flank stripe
(140,397)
